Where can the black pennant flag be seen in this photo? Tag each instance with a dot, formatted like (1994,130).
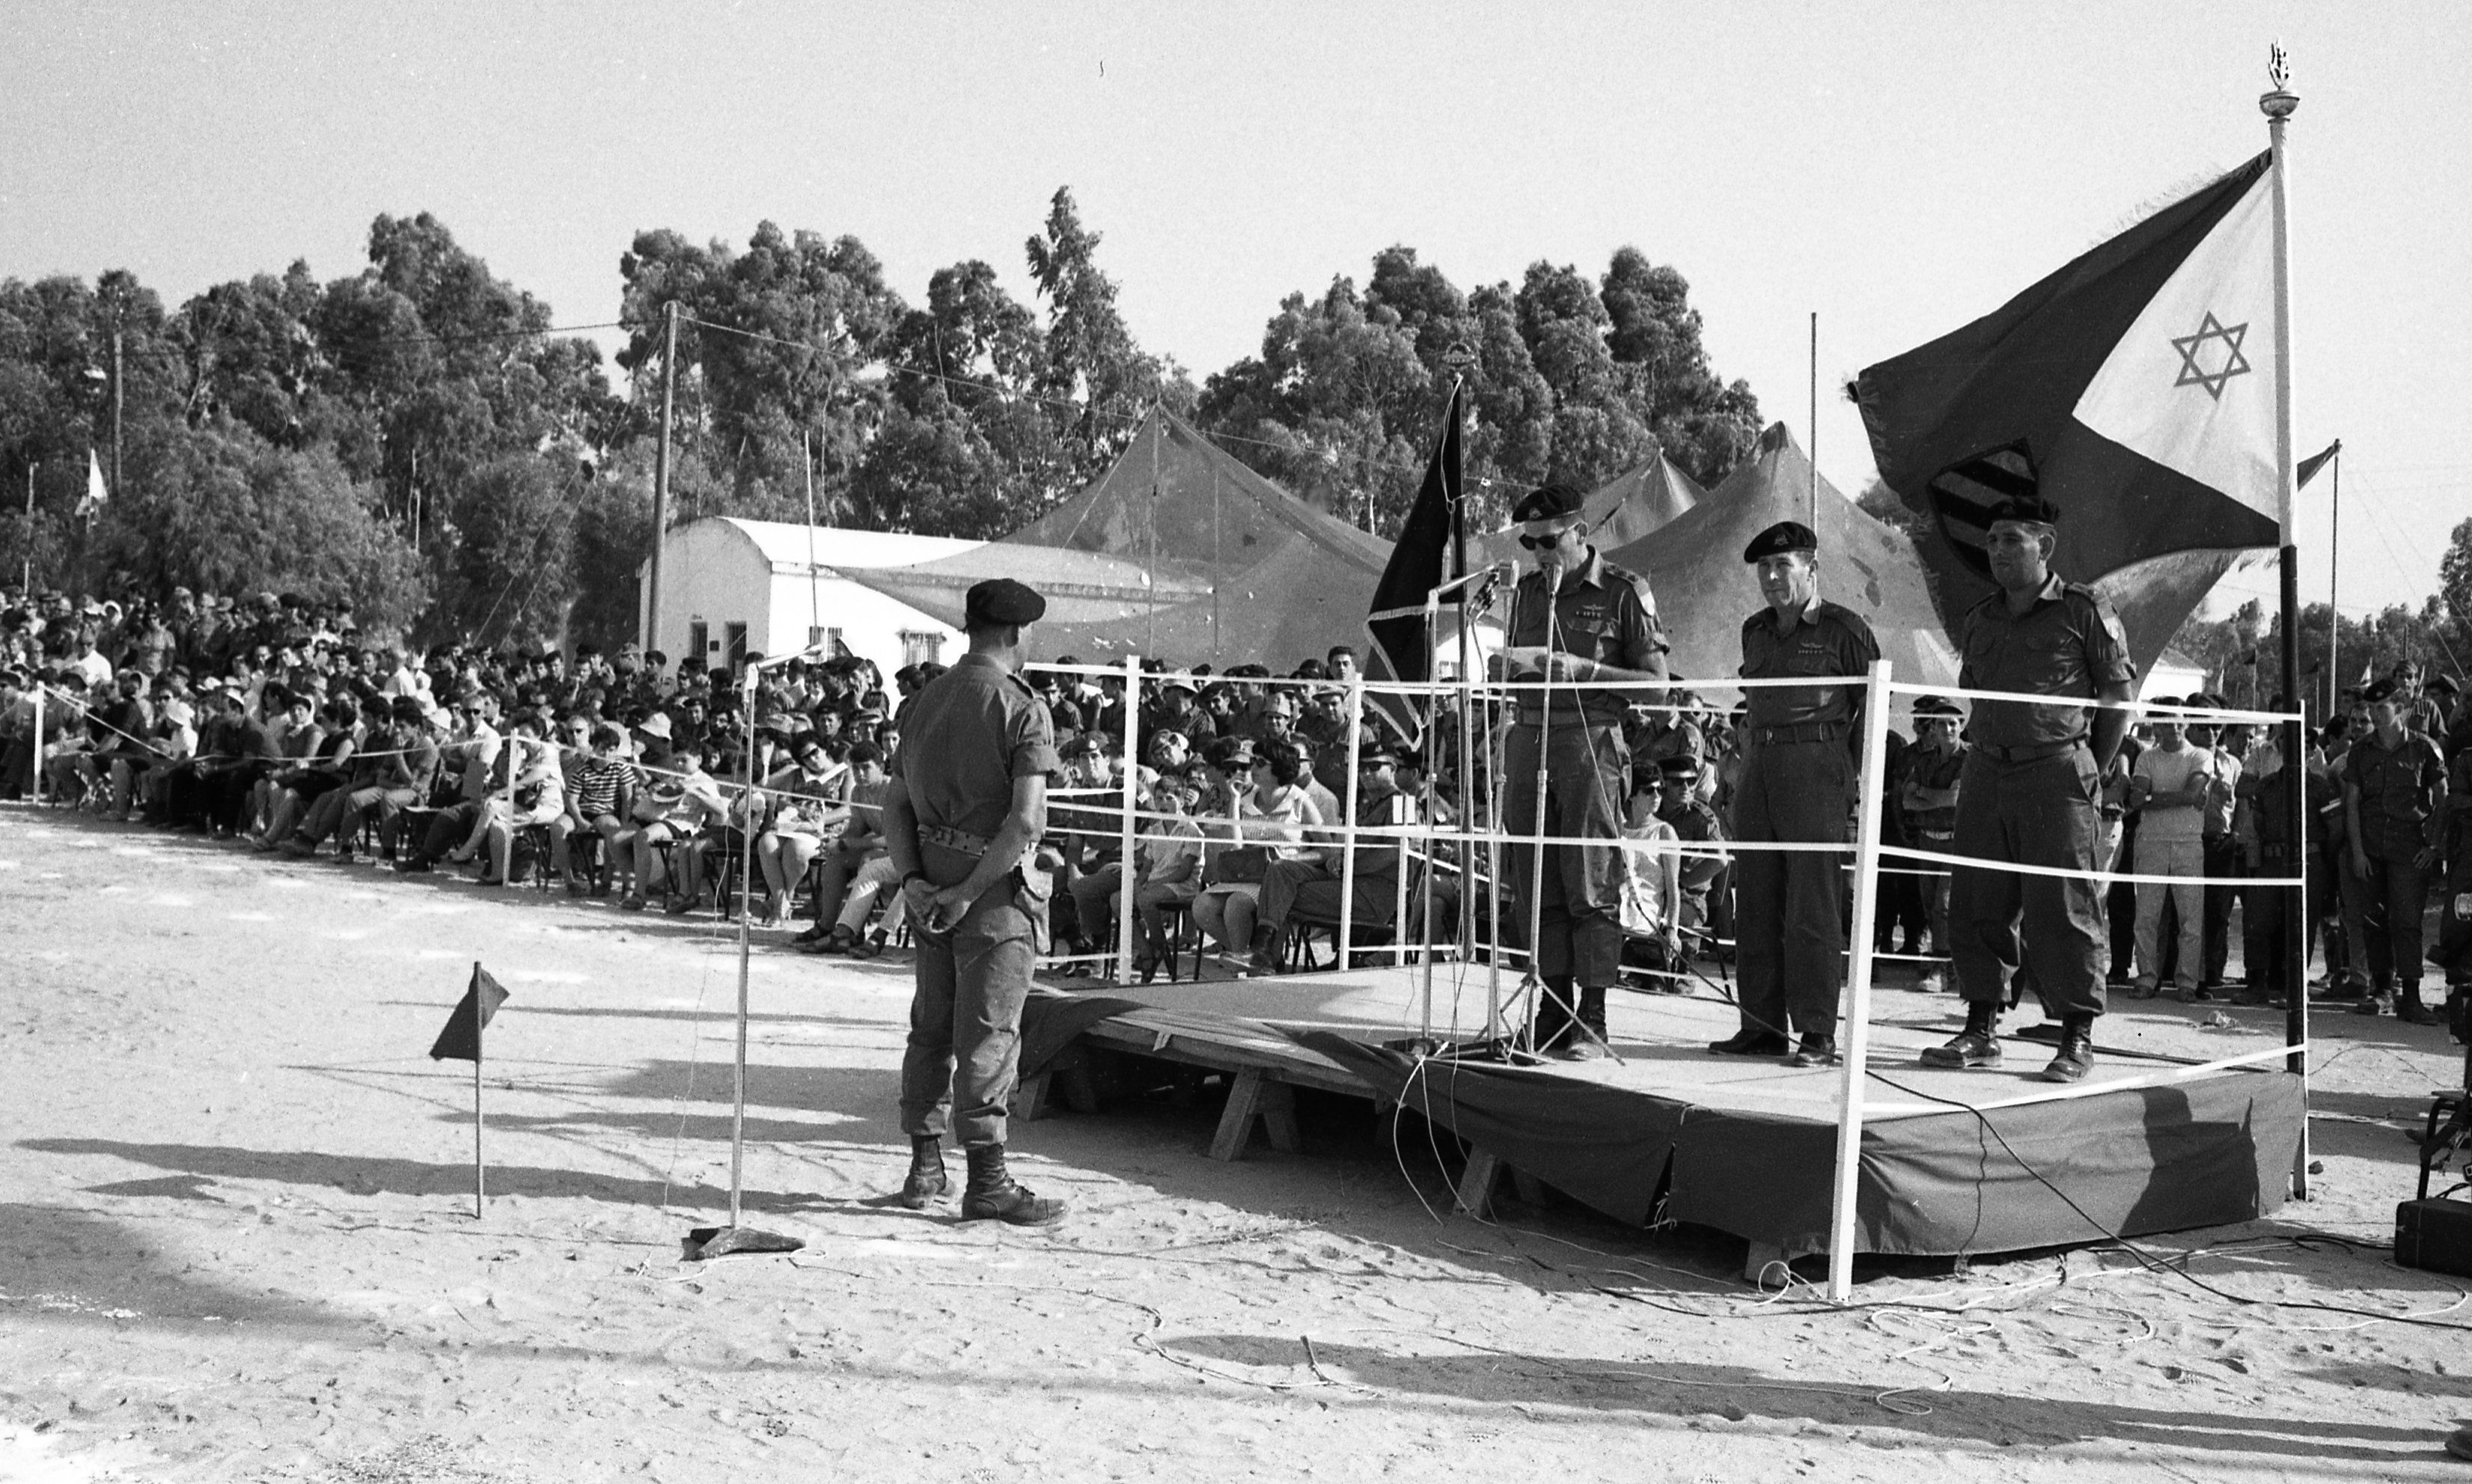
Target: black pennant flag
(2309,465)
(460,1040)
(1402,647)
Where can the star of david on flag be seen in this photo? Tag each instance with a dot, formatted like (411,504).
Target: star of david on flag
(2194,356)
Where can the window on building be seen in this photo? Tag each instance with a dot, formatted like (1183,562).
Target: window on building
(737,640)
(829,641)
(699,640)
(921,646)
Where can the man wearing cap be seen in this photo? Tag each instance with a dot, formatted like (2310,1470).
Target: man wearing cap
(1678,804)
(1576,617)
(1927,787)
(1797,786)
(1175,712)
(2031,791)
(2395,819)
(963,813)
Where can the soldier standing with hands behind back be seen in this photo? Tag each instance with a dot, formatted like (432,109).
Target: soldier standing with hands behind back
(1796,784)
(2033,787)
(963,813)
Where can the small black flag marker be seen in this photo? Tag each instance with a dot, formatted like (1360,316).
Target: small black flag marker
(460,1040)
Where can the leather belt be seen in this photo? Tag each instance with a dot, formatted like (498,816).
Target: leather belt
(961,841)
(2037,753)
(1799,732)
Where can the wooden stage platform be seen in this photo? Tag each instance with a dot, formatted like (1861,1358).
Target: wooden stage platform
(2158,1138)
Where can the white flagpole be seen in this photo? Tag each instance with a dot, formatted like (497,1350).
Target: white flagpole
(2278,104)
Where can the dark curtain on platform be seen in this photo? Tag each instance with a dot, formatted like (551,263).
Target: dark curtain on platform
(2212,1152)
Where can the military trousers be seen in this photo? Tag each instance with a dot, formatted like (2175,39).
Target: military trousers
(2395,894)
(2046,813)
(964,1051)
(1588,777)
(1789,922)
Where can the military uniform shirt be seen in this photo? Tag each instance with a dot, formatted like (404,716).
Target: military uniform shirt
(1601,613)
(1925,768)
(2069,643)
(2400,790)
(974,731)
(1828,640)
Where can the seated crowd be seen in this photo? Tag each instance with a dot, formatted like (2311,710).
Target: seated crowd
(267,721)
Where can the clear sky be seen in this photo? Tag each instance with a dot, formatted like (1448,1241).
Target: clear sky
(1897,167)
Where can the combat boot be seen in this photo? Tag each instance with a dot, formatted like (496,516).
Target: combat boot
(994,1196)
(927,1182)
(1978,1045)
(1585,1040)
(2075,1055)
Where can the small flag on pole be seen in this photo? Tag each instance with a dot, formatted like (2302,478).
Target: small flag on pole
(92,505)
(2309,465)
(460,1040)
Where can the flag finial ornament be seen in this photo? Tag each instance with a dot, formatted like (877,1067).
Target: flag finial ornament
(2280,102)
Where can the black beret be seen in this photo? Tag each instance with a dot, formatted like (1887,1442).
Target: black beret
(1003,600)
(2441,686)
(1938,706)
(1547,502)
(1781,538)
(2031,509)
(1681,764)
(2380,690)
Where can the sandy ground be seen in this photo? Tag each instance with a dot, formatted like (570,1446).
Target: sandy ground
(236,1242)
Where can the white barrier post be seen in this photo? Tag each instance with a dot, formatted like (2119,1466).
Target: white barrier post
(1855,1024)
(34,789)
(1126,877)
(1348,840)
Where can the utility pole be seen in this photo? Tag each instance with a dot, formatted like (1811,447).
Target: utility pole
(661,470)
(116,399)
(29,583)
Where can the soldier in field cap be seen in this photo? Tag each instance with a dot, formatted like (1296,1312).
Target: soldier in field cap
(1576,617)
(963,813)
(2031,791)
(1797,785)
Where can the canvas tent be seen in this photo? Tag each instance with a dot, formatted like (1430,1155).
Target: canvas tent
(1704,591)
(1240,570)
(1624,509)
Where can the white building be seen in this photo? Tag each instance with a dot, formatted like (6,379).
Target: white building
(731,587)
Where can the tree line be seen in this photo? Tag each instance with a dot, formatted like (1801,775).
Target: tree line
(416,438)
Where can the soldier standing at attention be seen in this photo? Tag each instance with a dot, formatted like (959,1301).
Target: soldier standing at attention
(963,813)
(2032,792)
(1576,618)
(1797,785)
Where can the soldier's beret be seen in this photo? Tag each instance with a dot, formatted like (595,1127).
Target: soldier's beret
(1938,706)
(1002,600)
(2027,509)
(1781,538)
(1370,753)
(2380,690)
(1681,764)
(1547,502)
(2441,686)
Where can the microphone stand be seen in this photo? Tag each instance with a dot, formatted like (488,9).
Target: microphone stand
(1534,979)
(716,1241)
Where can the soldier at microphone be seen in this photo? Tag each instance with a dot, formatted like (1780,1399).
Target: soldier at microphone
(1576,617)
